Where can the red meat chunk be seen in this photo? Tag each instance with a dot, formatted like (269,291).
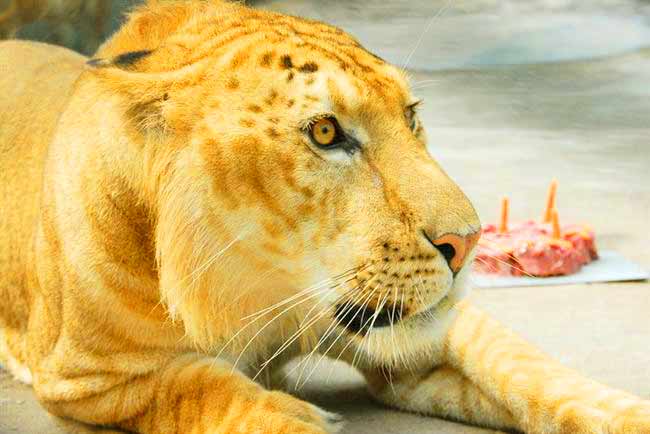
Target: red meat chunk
(529,249)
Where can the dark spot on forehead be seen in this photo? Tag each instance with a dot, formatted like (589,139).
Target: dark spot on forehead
(308,68)
(290,76)
(232,83)
(307,192)
(239,59)
(271,98)
(309,81)
(272,133)
(285,62)
(248,123)
(254,108)
(266,59)
(290,103)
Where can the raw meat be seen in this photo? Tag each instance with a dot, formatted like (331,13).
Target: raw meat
(533,248)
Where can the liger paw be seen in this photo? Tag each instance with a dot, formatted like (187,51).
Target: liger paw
(634,420)
(280,413)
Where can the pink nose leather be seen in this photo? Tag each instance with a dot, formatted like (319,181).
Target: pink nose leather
(461,246)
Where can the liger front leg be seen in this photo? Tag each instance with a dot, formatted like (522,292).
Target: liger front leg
(441,392)
(192,394)
(424,384)
(488,376)
(543,396)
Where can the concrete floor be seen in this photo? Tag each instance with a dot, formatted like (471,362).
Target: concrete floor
(508,130)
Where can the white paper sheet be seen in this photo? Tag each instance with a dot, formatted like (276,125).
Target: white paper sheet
(609,267)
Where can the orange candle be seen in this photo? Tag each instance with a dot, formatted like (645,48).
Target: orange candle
(556,225)
(505,209)
(550,202)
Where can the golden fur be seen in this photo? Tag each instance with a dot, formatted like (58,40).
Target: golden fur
(169,234)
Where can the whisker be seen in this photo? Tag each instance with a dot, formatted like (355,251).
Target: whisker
(285,301)
(297,295)
(425,83)
(212,259)
(508,255)
(298,333)
(346,281)
(391,321)
(362,309)
(205,266)
(323,312)
(401,306)
(421,298)
(293,338)
(324,337)
(251,285)
(252,339)
(271,321)
(355,269)
(322,300)
(417,45)
(389,380)
(365,301)
(341,333)
(302,327)
(297,303)
(370,320)
(380,306)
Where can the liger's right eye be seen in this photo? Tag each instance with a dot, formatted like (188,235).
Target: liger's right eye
(325,133)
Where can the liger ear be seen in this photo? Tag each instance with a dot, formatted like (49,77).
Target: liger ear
(145,93)
(152,100)
(122,61)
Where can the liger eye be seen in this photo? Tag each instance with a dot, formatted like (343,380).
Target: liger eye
(324,133)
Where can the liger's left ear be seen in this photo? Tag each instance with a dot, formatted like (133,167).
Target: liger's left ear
(122,61)
(145,93)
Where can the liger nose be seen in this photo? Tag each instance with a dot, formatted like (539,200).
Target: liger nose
(456,248)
